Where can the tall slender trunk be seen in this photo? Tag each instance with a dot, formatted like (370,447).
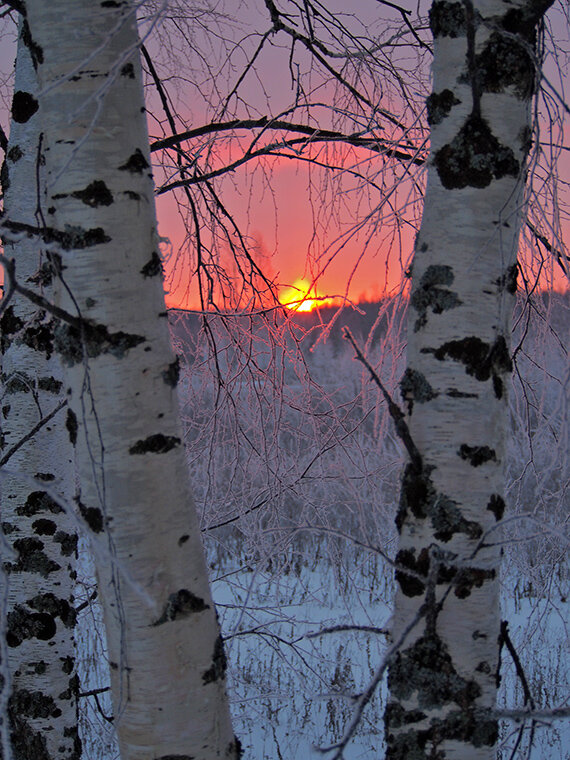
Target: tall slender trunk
(40,539)
(443,681)
(166,655)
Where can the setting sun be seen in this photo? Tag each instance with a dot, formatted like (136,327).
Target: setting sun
(301,296)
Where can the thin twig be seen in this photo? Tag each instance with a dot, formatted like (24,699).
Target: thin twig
(402,429)
(38,426)
(367,694)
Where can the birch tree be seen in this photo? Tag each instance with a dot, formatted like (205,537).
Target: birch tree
(40,540)
(443,680)
(166,656)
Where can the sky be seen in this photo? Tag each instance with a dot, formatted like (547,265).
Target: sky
(341,235)
(347,238)
(337,232)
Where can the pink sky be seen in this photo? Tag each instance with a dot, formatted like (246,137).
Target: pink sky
(280,212)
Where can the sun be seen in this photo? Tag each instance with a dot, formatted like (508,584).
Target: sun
(300,296)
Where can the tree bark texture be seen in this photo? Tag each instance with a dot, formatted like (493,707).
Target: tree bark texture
(443,681)
(166,655)
(39,537)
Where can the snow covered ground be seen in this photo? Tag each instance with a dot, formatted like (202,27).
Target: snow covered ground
(293,680)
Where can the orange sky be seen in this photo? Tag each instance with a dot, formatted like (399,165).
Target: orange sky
(281,212)
(360,265)
(299,226)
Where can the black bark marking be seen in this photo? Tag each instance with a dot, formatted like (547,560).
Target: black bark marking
(21,624)
(428,295)
(439,105)
(474,158)
(14,154)
(27,743)
(47,477)
(91,74)
(33,704)
(72,426)
(172,374)
(235,749)
(505,62)
(498,387)
(526,140)
(155,444)
(37,502)
(5,177)
(128,71)
(447,19)
(179,605)
(472,725)
(415,387)
(477,455)
(50,385)
(475,725)
(39,335)
(72,732)
(32,558)
(50,604)
(44,527)
(466,579)
(92,516)
(36,51)
(427,667)
(153,267)
(455,393)
(219,663)
(136,163)
(72,237)
(45,274)
(182,540)
(496,505)
(409,584)
(95,194)
(91,340)
(482,360)
(24,106)
(67,542)
(10,324)
(419,496)
(20,383)
(78,238)
(72,690)
(508,280)
(397,716)
(67,664)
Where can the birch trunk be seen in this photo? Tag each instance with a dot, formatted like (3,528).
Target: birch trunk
(443,681)
(166,655)
(40,541)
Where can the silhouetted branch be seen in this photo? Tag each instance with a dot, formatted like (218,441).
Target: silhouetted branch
(396,413)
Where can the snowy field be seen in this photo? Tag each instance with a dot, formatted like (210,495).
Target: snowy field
(295,469)
(293,680)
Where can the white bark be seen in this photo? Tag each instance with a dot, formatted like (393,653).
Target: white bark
(39,537)
(443,682)
(167,660)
